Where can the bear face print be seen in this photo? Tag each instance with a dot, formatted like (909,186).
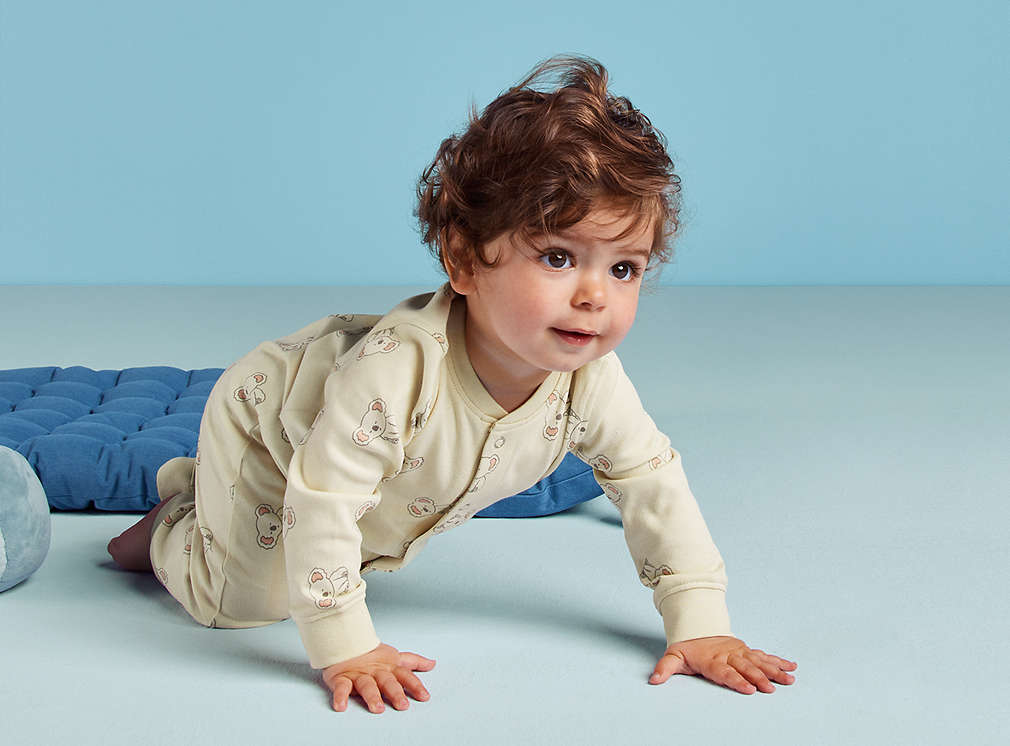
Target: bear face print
(663,458)
(345,317)
(288,514)
(651,574)
(555,415)
(409,464)
(177,514)
(487,465)
(422,507)
(295,346)
(442,341)
(457,517)
(269,526)
(613,494)
(251,390)
(601,463)
(375,424)
(364,508)
(325,587)
(207,538)
(384,340)
(356,332)
(576,430)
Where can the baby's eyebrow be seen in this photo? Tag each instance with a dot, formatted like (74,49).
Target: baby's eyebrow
(642,254)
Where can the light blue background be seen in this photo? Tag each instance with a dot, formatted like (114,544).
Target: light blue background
(279,143)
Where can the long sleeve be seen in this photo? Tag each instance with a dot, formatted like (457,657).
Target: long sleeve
(642,475)
(356,440)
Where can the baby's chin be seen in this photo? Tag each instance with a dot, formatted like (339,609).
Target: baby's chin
(576,364)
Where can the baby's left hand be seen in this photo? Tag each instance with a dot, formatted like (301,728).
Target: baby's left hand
(724,660)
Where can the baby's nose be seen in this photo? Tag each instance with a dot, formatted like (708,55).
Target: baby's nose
(590,293)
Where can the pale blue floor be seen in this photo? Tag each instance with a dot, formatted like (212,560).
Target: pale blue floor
(850,448)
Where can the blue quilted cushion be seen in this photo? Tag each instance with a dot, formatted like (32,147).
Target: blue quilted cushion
(98,437)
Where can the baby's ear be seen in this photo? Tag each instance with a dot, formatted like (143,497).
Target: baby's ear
(457,264)
(460,279)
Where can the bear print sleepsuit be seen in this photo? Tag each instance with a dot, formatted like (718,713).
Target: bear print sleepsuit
(343,448)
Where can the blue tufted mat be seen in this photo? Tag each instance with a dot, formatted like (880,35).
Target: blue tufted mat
(97,438)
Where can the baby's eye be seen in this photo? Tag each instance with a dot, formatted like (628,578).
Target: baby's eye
(556,259)
(625,271)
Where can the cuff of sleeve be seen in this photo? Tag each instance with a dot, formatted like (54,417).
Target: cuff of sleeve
(693,613)
(337,637)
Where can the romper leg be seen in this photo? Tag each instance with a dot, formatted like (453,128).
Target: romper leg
(221,556)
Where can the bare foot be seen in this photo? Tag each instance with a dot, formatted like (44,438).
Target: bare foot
(132,549)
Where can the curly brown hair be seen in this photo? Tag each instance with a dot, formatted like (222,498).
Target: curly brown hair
(537,162)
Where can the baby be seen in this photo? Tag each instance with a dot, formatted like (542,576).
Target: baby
(344,447)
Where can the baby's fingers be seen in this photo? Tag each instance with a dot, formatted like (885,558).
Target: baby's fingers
(782,663)
(415,662)
(729,677)
(341,691)
(774,672)
(412,685)
(752,673)
(392,690)
(369,692)
(774,667)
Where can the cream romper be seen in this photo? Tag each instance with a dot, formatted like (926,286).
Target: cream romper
(344,447)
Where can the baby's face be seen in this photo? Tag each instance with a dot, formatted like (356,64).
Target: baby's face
(558,304)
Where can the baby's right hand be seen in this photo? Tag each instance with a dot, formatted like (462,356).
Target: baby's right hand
(384,671)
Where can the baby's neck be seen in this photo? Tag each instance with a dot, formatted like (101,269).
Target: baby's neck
(511,391)
(510,399)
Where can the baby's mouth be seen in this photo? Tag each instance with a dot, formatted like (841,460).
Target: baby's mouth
(574,337)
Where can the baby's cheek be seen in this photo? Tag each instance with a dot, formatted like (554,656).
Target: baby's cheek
(621,328)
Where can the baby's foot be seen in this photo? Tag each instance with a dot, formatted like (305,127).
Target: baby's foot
(132,549)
